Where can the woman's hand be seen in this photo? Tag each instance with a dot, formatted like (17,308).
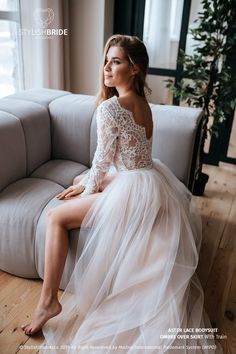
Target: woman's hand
(71,192)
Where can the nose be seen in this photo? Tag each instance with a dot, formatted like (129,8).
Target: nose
(107,66)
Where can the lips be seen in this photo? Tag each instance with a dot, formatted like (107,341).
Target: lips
(107,76)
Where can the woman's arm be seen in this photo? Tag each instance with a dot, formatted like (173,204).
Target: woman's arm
(107,133)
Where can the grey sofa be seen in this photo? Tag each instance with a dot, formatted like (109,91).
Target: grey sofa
(47,137)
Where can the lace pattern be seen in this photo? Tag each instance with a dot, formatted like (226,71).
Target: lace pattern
(121,142)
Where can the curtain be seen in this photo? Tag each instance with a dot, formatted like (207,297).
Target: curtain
(162,22)
(45,56)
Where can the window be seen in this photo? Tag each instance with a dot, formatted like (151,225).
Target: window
(161,31)
(11,71)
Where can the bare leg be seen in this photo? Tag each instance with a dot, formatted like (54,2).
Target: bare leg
(60,220)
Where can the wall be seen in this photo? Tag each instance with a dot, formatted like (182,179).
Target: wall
(91,23)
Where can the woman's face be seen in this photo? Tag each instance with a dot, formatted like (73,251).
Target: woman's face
(118,72)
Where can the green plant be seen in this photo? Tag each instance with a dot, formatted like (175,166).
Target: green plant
(208,80)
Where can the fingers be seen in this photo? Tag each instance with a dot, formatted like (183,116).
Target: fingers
(68,193)
(65,192)
(62,194)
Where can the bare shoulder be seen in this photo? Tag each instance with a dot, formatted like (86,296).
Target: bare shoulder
(134,104)
(127,102)
(138,106)
(141,111)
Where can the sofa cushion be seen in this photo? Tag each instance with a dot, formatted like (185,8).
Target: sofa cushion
(93,138)
(42,96)
(21,205)
(60,171)
(174,132)
(71,117)
(12,150)
(35,122)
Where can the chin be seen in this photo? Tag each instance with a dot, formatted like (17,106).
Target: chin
(109,84)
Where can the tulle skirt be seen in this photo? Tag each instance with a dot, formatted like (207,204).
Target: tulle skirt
(134,288)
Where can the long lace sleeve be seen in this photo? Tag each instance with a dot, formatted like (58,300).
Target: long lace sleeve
(107,132)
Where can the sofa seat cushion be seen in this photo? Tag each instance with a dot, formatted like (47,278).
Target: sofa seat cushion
(22,203)
(60,171)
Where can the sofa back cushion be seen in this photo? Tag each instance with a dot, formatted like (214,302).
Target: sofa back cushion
(43,96)
(35,122)
(71,118)
(12,150)
(93,138)
(174,137)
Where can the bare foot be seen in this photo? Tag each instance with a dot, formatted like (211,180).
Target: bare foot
(41,316)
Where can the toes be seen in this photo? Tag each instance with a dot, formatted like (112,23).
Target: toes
(24,326)
(30,330)
(27,329)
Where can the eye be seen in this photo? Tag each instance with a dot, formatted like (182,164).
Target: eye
(115,61)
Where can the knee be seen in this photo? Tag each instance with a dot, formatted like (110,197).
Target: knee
(53,217)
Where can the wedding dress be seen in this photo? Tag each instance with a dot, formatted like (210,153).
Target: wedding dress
(134,287)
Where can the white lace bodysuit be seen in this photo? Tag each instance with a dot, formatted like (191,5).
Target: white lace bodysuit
(121,143)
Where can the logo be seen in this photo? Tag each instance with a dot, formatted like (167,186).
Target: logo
(43,17)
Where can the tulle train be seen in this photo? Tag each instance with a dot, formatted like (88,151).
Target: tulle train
(135,283)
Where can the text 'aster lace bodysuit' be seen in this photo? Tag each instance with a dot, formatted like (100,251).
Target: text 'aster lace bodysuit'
(121,142)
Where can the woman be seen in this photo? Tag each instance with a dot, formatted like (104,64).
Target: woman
(134,285)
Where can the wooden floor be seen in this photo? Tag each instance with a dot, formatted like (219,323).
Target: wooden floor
(217,264)
(217,270)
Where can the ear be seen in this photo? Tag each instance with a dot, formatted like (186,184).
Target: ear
(135,69)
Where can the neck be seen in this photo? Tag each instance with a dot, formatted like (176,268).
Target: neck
(123,91)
